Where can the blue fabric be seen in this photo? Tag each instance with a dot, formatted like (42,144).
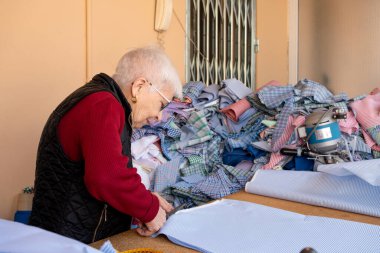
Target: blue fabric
(210,93)
(317,91)
(16,237)
(236,156)
(231,91)
(22,216)
(193,90)
(319,189)
(302,163)
(255,151)
(289,165)
(368,171)
(227,226)
(273,96)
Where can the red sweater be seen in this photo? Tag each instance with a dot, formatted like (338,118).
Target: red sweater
(90,131)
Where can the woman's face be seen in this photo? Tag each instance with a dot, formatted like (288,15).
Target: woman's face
(150,103)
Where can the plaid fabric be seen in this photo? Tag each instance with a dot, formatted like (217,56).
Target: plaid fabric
(273,96)
(374,132)
(316,91)
(376,154)
(312,106)
(197,149)
(242,175)
(172,129)
(192,90)
(282,122)
(185,190)
(218,184)
(203,133)
(195,169)
(242,139)
(355,143)
(166,175)
(308,88)
(256,103)
(194,159)
(214,151)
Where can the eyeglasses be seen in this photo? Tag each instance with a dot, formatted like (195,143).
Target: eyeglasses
(161,94)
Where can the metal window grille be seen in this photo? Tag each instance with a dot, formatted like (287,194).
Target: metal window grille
(221,41)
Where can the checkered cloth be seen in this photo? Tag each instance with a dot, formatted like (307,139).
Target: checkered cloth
(202,132)
(192,90)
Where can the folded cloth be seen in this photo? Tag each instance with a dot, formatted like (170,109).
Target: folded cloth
(232,90)
(234,110)
(210,93)
(368,170)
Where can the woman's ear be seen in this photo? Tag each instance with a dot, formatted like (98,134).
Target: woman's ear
(137,85)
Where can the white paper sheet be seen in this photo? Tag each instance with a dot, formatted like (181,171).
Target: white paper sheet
(238,226)
(348,193)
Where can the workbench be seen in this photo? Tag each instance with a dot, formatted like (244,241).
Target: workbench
(131,240)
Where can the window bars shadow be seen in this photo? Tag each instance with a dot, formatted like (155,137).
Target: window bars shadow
(221,41)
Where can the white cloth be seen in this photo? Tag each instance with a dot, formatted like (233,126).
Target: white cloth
(368,170)
(348,193)
(16,237)
(238,226)
(144,147)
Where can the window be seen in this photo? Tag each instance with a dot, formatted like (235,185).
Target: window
(221,41)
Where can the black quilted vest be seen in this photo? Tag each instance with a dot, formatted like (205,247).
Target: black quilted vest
(62,203)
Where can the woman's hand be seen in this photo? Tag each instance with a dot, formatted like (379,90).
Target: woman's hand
(163,203)
(153,226)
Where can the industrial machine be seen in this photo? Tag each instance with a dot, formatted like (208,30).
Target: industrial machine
(320,136)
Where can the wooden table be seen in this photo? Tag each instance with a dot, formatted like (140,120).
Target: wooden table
(131,240)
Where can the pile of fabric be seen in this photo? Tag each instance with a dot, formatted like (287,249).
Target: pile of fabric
(214,140)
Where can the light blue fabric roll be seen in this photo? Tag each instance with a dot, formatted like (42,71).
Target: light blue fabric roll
(238,226)
(348,193)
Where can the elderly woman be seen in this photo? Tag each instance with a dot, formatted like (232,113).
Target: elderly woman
(85,185)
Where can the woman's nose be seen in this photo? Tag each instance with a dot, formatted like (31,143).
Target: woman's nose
(159,116)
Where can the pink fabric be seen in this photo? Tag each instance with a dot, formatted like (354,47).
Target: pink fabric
(349,125)
(275,158)
(369,141)
(233,111)
(288,131)
(367,111)
(375,91)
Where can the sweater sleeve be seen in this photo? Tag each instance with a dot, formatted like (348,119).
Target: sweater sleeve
(107,177)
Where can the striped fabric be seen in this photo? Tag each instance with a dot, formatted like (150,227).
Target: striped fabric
(349,125)
(367,111)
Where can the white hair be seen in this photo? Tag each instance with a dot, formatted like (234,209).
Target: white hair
(151,63)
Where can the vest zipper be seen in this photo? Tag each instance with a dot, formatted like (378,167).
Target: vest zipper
(104,212)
